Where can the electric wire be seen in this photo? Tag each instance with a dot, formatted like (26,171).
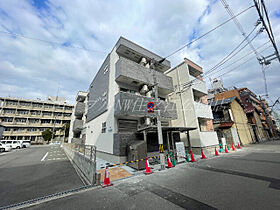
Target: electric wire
(50,42)
(226,58)
(213,29)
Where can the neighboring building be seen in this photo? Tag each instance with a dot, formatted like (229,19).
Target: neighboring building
(230,121)
(117,117)
(216,87)
(2,128)
(255,114)
(78,119)
(193,110)
(270,120)
(26,119)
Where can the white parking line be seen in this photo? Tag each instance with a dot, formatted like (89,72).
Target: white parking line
(44,156)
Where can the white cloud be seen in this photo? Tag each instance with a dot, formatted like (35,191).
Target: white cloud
(34,69)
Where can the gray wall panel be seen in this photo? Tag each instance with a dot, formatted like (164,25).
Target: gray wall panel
(98,91)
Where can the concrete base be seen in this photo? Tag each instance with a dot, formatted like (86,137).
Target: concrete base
(208,151)
(110,157)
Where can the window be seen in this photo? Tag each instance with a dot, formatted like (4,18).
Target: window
(9,111)
(23,112)
(36,105)
(48,106)
(13,103)
(7,119)
(31,129)
(45,121)
(68,108)
(103,130)
(34,120)
(24,103)
(7,129)
(67,115)
(35,112)
(47,113)
(59,107)
(202,124)
(57,121)
(124,90)
(21,120)
(57,114)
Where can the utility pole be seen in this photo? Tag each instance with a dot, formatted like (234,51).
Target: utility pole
(266,60)
(159,129)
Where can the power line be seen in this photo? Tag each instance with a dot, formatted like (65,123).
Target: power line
(190,83)
(237,23)
(50,42)
(270,34)
(226,58)
(240,64)
(243,57)
(204,34)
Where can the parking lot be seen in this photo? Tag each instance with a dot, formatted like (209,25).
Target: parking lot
(33,172)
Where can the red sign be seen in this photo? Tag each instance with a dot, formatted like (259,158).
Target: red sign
(150,105)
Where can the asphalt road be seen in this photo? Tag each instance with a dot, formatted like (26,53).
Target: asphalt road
(34,172)
(246,179)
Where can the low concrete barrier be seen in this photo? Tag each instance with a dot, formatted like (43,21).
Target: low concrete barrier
(85,165)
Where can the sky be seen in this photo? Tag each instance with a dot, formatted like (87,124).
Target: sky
(66,41)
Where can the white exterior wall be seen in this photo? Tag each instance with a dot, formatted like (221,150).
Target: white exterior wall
(189,109)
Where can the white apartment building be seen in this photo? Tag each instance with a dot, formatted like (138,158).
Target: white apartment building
(117,116)
(190,96)
(26,119)
(78,119)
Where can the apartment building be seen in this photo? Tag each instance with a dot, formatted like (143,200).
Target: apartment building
(117,117)
(1,131)
(78,119)
(270,120)
(190,96)
(26,119)
(230,121)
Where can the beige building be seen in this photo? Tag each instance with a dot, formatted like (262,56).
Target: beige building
(190,96)
(26,119)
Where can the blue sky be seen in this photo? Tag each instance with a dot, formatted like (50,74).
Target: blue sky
(34,69)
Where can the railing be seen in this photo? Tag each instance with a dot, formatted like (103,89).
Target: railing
(88,151)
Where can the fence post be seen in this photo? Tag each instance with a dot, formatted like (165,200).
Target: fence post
(91,151)
(84,150)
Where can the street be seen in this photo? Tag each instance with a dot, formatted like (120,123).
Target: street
(245,179)
(34,172)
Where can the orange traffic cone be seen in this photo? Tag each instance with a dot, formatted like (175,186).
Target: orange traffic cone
(238,146)
(232,147)
(226,151)
(192,157)
(202,154)
(148,169)
(169,163)
(107,178)
(216,152)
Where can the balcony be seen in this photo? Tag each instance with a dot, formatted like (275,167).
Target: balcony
(203,110)
(127,104)
(79,109)
(134,74)
(208,138)
(199,85)
(77,125)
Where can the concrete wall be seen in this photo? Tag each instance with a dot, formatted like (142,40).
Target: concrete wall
(127,69)
(79,109)
(86,166)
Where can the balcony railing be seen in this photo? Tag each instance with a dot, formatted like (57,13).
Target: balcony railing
(130,72)
(127,104)
(198,85)
(203,110)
